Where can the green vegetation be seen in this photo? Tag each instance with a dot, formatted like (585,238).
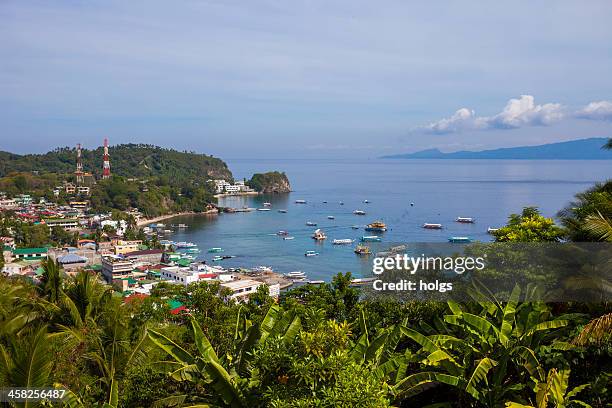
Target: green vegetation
(529,226)
(588,217)
(271,182)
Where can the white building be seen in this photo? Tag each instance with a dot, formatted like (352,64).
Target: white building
(114,267)
(222,186)
(244,288)
(185,276)
(8,203)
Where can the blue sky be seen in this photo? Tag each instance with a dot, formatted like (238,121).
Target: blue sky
(303,78)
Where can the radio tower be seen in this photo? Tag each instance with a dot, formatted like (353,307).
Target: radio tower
(106,161)
(79,167)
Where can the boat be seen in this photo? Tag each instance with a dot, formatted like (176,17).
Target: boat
(184,244)
(167,231)
(359,212)
(181,226)
(492,230)
(376,226)
(193,250)
(315,282)
(311,224)
(267,204)
(311,253)
(398,248)
(282,211)
(366,202)
(296,275)
(331,217)
(282,233)
(263,209)
(341,203)
(432,226)
(288,238)
(361,281)
(371,238)
(460,240)
(355,226)
(319,235)
(346,241)
(217,258)
(362,250)
(300,201)
(324,202)
(465,220)
(215,250)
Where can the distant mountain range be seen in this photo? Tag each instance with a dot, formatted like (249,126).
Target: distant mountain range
(583,149)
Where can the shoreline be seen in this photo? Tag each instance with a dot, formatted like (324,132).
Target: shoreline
(146,221)
(237,194)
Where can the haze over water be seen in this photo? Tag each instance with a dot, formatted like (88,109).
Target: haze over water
(441,190)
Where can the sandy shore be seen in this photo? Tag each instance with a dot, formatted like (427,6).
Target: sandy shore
(146,221)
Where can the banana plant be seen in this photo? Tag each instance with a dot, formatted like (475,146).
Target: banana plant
(555,391)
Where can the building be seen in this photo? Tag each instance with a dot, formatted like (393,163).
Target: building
(8,204)
(71,261)
(115,267)
(7,242)
(222,186)
(65,223)
(152,256)
(79,205)
(84,190)
(124,247)
(13,268)
(70,188)
(23,199)
(244,288)
(30,254)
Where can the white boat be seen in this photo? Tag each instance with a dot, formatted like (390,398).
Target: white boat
(296,275)
(366,202)
(267,204)
(316,282)
(331,217)
(428,225)
(282,211)
(300,201)
(465,220)
(346,241)
(359,212)
(263,209)
(355,226)
(341,203)
(319,235)
(311,224)
(370,238)
(282,233)
(215,250)
(491,230)
(311,253)
(262,269)
(288,238)
(184,244)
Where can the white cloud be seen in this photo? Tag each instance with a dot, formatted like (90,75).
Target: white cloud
(517,113)
(601,110)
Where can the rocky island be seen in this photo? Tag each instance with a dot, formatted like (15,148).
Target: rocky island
(270,182)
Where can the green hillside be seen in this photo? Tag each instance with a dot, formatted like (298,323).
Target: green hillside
(127,160)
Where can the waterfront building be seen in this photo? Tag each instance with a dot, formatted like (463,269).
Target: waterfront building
(244,288)
(185,275)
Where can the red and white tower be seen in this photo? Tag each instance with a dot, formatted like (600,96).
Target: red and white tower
(106,161)
(79,167)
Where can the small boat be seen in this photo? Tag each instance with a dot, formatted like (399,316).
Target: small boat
(376,226)
(359,212)
(371,238)
(355,226)
(217,258)
(324,202)
(193,251)
(362,250)
(300,201)
(346,241)
(311,253)
(492,230)
(361,281)
(315,282)
(183,226)
(311,224)
(341,203)
(267,204)
(398,248)
(282,233)
(215,250)
(331,217)
(366,202)
(167,231)
(432,226)
(263,209)
(282,211)
(412,204)
(465,220)
(296,275)
(228,256)
(460,240)
(319,235)
(288,238)
(184,244)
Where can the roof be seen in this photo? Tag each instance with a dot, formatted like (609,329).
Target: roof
(145,252)
(134,296)
(70,259)
(241,284)
(29,251)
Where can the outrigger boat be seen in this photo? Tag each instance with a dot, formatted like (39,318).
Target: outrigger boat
(432,226)
(331,217)
(371,238)
(193,251)
(300,201)
(267,204)
(185,244)
(460,240)
(311,253)
(362,250)
(359,212)
(319,235)
(366,202)
(215,250)
(465,220)
(492,230)
(282,233)
(296,275)
(263,209)
(288,238)
(342,241)
(282,211)
(376,226)
(311,224)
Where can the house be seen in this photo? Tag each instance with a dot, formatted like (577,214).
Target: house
(152,256)
(65,223)
(8,204)
(7,242)
(114,267)
(30,254)
(242,289)
(71,261)
(123,247)
(187,275)
(14,268)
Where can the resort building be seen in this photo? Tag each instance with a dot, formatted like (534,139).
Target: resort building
(30,254)
(243,289)
(185,276)
(114,267)
(222,186)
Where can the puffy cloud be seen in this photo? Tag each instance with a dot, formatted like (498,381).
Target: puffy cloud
(517,113)
(601,110)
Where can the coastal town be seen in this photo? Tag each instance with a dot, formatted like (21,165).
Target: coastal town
(125,249)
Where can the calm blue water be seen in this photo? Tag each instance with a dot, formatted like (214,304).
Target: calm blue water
(441,190)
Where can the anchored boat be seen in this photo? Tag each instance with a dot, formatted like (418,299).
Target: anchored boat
(460,240)
(432,226)
(296,275)
(376,226)
(362,250)
(465,220)
(359,212)
(300,201)
(371,238)
(311,253)
(311,224)
(319,235)
(215,250)
(342,241)
(331,217)
(492,230)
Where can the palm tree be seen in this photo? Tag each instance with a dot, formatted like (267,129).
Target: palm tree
(608,145)
(52,280)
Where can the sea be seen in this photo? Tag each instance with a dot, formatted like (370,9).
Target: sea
(403,193)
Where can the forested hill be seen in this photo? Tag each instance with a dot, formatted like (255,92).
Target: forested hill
(128,160)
